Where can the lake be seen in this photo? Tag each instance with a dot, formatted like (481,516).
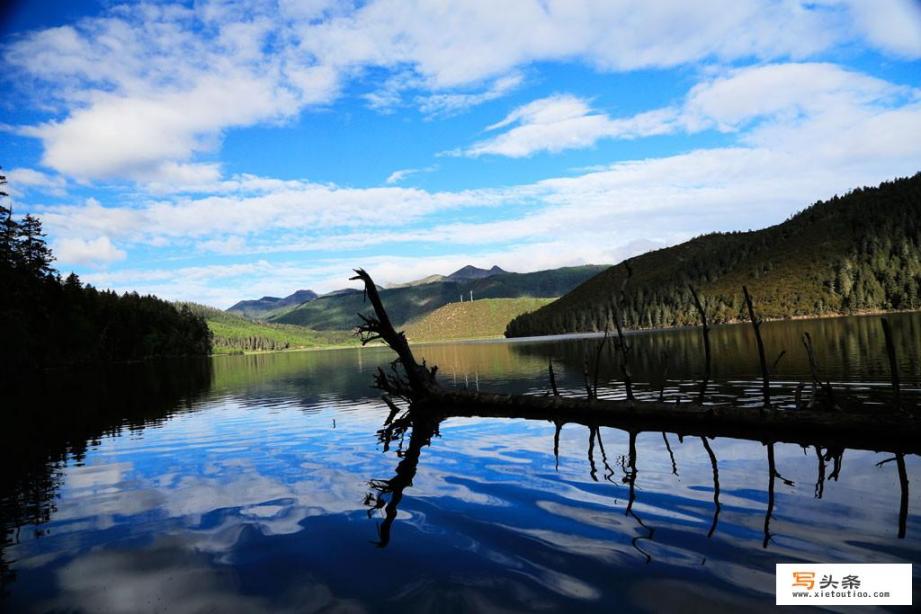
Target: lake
(264,483)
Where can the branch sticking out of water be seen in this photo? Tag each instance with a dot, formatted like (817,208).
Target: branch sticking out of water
(705,332)
(893,363)
(553,387)
(756,325)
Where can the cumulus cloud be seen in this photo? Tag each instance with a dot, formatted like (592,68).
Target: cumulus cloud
(893,26)
(853,130)
(185,75)
(98,251)
(22,180)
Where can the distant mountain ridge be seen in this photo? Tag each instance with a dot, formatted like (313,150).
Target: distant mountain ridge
(464,273)
(267,305)
(406,302)
(472,272)
(858,252)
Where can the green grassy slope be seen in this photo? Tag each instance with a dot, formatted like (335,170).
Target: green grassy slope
(233,333)
(858,252)
(471,319)
(405,304)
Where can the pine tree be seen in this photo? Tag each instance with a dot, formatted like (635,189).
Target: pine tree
(35,253)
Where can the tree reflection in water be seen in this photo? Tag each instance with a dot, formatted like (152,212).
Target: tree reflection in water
(420,427)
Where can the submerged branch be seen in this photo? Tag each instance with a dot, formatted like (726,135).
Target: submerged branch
(756,325)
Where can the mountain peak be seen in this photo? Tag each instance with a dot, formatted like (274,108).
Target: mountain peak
(472,272)
(260,307)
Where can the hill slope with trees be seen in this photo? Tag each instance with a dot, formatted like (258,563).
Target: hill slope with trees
(233,333)
(48,321)
(853,253)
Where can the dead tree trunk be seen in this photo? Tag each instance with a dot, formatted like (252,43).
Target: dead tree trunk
(417,381)
(756,325)
(705,332)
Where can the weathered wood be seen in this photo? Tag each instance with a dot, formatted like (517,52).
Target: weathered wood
(604,340)
(419,379)
(867,431)
(553,387)
(756,326)
(705,332)
(893,363)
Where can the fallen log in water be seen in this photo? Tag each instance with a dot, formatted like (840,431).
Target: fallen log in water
(866,431)
(879,429)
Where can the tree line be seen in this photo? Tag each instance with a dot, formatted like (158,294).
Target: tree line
(50,321)
(854,253)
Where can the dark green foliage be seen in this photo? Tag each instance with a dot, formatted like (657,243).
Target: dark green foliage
(47,321)
(234,334)
(337,312)
(858,252)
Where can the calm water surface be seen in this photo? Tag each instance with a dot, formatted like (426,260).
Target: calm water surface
(260,483)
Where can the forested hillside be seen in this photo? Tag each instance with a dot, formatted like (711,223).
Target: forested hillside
(338,312)
(235,334)
(857,252)
(49,321)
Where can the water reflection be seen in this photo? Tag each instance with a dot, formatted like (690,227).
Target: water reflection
(420,428)
(56,418)
(850,353)
(247,484)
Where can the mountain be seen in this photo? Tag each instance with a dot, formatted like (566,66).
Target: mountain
(268,305)
(420,282)
(338,312)
(300,296)
(858,252)
(466,273)
(340,292)
(471,272)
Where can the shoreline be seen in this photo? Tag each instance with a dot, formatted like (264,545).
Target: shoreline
(576,335)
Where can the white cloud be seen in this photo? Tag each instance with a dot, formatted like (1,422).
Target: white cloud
(399,175)
(852,130)
(893,26)
(789,91)
(21,180)
(563,122)
(98,251)
(789,94)
(255,206)
(228,245)
(441,105)
(185,75)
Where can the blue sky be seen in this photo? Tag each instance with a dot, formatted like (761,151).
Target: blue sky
(213,151)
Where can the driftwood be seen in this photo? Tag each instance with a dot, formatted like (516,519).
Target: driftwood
(878,430)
